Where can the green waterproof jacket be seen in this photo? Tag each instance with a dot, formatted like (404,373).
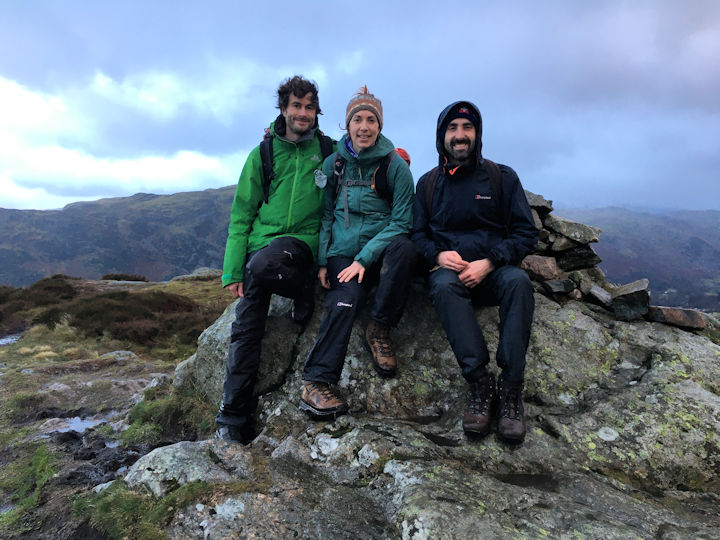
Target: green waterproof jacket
(294,206)
(372,223)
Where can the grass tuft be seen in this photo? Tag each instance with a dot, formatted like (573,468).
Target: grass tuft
(24,480)
(169,414)
(122,513)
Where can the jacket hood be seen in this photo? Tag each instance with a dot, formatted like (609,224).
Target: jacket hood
(440,131)
(383,147)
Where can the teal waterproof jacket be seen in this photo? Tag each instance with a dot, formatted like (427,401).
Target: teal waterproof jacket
(294,206)
(372,222)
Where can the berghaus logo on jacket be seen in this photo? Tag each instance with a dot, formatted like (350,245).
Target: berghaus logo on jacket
(483,197)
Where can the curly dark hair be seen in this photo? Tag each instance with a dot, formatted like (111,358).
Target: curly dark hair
(298,86)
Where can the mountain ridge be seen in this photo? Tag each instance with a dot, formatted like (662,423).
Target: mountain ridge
(160,236)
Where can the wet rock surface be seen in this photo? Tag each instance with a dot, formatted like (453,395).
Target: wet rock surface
(623,437)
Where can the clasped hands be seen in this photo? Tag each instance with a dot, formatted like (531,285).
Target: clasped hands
(470,273)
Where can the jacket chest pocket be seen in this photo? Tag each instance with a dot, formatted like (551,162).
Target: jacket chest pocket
(467,211)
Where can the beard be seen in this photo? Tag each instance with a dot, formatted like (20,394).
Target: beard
(460,154)
(291,123)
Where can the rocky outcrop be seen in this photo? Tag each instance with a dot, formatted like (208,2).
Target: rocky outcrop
(623,437)
(565,265)
(623,427)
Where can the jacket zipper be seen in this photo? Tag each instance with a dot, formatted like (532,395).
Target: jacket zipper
(292,193)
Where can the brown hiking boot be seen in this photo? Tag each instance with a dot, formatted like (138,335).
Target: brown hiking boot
(320,401)
(481,404)
(511,414)
(377,340)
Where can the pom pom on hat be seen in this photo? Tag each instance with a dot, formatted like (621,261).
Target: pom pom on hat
(364,101)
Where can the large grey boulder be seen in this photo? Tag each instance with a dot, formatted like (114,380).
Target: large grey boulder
(169,467)
(578,232)
(204,371)
(623,438)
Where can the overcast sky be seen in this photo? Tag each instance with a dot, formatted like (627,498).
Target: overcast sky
(593,103)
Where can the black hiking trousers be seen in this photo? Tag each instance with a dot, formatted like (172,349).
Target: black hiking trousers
(393,275)
(284,267)
(511,289)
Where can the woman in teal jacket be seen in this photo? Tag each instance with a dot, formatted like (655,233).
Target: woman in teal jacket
(363,240)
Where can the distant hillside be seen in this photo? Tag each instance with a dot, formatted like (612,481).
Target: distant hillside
(679,252)
(161,236)
(158,236)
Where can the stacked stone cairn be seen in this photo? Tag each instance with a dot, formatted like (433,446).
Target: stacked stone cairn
(565,266)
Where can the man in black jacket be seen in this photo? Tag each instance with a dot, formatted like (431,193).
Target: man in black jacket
(473,230)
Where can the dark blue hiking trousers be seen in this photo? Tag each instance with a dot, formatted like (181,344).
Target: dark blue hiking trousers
(511,289)
(392,273)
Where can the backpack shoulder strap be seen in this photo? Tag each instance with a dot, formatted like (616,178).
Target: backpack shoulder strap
(338,174)
(495,175)
(266,155)
(493,170)
(429,188)
(326,144)
(380,178)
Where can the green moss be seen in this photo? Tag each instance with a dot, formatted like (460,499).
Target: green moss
(278,429)
(171,414)
(24,480)
(8,436)
(14,381)
(17,406)
(122,513)
(420,388)
(337,433)
(141,433)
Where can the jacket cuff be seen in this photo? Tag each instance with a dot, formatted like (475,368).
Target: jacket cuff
(227,279)
(366,264)
(431,258)
(497,258)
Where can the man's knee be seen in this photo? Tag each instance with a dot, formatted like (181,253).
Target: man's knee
(444,283)
(282,267)
(517,280)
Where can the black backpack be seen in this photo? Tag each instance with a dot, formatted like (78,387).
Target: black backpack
(266,155)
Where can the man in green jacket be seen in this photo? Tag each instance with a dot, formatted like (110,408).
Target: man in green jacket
(272,243)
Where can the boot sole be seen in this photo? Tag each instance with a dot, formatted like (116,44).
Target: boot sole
(511,440)
(322,414)
(384,373)
(477,434)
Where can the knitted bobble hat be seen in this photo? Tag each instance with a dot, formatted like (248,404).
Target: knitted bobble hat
(364,101)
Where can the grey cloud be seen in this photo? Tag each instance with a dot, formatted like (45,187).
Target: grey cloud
(594,103)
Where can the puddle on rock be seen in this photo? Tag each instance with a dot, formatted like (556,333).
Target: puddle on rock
(9,340)
(5,508)
(64,425)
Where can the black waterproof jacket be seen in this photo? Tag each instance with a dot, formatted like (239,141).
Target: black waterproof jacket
(464,215)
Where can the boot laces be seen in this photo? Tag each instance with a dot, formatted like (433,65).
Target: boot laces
(325,391)
(384,347)
(381,338)
(479,399)
(512,404)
